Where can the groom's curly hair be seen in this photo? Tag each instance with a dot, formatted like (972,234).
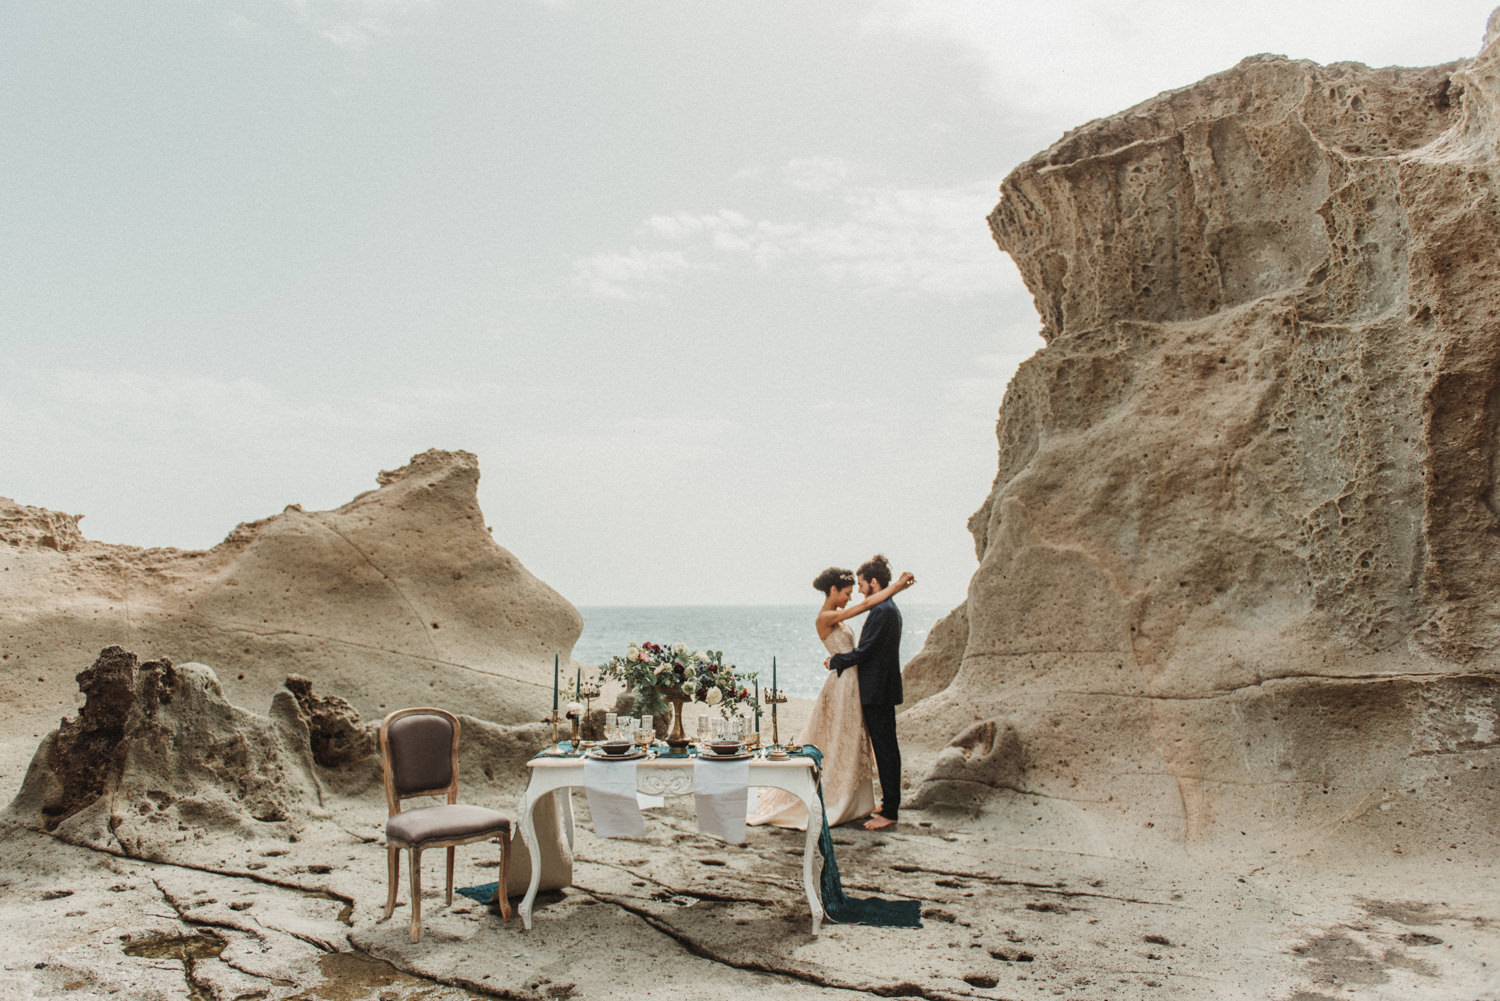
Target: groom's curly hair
(833,577)
(876,568)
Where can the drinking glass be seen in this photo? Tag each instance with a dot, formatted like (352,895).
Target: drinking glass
(705,728)
(647,722)
(610,722)
(643,737)
(627,728)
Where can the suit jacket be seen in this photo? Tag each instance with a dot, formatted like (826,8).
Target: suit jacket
(878,656)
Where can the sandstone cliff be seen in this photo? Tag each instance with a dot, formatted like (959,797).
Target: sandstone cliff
(1239,563)
(400,597)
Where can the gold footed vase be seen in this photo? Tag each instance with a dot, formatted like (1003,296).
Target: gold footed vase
(677,738)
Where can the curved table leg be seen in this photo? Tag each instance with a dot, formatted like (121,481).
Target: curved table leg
(810,852)
(528,838)
(565,798)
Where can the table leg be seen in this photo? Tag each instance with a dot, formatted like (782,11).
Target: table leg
(565,814)
(528,837)
(809,853)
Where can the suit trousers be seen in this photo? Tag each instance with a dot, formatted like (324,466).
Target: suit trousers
(880,724)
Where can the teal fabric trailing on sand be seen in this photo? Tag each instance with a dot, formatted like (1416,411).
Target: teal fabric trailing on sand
(839,906)
(484,892)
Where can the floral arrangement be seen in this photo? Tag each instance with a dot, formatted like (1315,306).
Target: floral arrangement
(649,668)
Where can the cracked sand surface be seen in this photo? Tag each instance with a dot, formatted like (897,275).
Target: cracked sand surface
(678,914)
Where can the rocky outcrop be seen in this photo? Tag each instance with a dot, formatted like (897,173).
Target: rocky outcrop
(400,597)
(157,764)
(338,736)
(1237,570)
(935,665)
(984,759)
(157,756)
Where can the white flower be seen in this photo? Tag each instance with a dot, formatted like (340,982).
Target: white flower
(701,657)
(714,697)
(574,710)
(690,688)
(690,672)
(634,653)
(678,648)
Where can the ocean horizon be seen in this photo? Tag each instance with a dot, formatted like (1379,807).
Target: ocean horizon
(748,635)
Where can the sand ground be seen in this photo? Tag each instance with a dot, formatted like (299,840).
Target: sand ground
(1011,911)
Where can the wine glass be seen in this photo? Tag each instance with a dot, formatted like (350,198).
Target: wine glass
(643,737)
(611,721)
(705,728)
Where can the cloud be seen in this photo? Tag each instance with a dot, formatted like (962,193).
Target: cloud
(633,273)
(352,26)
(872,236)
(1072,60)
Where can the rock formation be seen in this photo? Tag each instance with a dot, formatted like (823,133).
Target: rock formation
(1239,564)
(159,765)
(400,597)
(156,756)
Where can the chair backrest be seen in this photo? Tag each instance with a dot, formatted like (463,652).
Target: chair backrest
(419,755)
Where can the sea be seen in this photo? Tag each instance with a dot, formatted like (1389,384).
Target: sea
(748,635)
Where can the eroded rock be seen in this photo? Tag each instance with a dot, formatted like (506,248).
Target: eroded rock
(981,760)
(1244,523)
(339,737)
(400,597)
(158,755)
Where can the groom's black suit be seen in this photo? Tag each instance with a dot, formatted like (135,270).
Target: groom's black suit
(878,656)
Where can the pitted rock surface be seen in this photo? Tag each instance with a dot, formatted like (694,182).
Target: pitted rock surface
(1240,557)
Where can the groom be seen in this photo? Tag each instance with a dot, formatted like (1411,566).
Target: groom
(879,659)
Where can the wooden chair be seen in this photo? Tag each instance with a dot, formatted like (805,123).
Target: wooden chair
(419,755)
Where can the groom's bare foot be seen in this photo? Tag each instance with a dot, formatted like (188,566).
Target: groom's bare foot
(879,823)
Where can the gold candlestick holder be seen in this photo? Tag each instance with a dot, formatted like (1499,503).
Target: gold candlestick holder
(589,693)
(775,697)
(556,746)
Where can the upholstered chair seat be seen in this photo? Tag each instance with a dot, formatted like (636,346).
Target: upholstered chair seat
(445,823)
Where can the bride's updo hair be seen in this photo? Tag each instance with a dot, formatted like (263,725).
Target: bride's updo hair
(878,569)
(833,577)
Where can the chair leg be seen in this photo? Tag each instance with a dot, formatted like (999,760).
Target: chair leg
(416,893)
(502,894)
(393,871)
(451,850)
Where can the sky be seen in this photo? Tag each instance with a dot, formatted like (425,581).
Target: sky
(705,284)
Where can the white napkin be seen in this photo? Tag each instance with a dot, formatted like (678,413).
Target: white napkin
(721,791)
(610,787)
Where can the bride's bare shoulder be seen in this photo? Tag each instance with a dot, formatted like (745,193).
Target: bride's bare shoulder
(825,624)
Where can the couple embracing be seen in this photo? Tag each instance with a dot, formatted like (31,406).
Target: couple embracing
(853,721)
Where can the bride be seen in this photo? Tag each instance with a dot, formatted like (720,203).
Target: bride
(836,725)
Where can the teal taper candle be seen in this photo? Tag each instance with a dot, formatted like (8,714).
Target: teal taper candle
(554,682)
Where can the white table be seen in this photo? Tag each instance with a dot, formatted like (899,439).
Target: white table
(670,776)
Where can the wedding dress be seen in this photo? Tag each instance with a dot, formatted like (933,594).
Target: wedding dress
(836,727)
